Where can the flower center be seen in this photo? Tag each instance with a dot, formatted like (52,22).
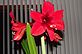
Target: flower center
(46,19)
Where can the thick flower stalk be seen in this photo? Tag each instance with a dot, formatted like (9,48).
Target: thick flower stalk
(48,20)
(17,27)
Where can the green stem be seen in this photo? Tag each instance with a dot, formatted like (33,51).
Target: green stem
(43,45)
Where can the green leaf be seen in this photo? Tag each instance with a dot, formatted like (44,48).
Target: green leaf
(25,46)
(31,40)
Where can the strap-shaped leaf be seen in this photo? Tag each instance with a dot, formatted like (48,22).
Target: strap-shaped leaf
(31,41)
(25,46)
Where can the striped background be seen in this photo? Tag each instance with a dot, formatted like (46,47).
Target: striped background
(72,43)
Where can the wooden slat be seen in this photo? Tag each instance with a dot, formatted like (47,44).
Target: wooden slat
(12,5)
(55,5)
(69,39)
(66,28)
(59,50)
(54,50)
(34,5)
(17,10)
(41,2)
(58,8)
(73,28)
(63,48)
(59,4)
(39,50)
(79,2)
(70,32)
(78,27)
(25,10)
(21,17)
(12,35)
(38,5)
(8,29)
(3,27)
(30,20)
(22,52)
(21,11)
(48,48)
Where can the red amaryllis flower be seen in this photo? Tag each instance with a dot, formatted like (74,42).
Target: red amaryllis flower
(18,28)
(47,20)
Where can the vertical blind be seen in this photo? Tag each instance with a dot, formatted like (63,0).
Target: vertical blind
(72,17)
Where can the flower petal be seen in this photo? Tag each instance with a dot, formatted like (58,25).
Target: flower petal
(37,29)
(36,16)
(11,15)
(19,34)
(19,29)
(17,26)
(57,37)
(59,25)
(14,28)
(58,15)
(51,34)
(47,8)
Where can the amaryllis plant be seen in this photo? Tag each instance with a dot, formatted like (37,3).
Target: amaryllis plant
(47,21)
(17,27)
